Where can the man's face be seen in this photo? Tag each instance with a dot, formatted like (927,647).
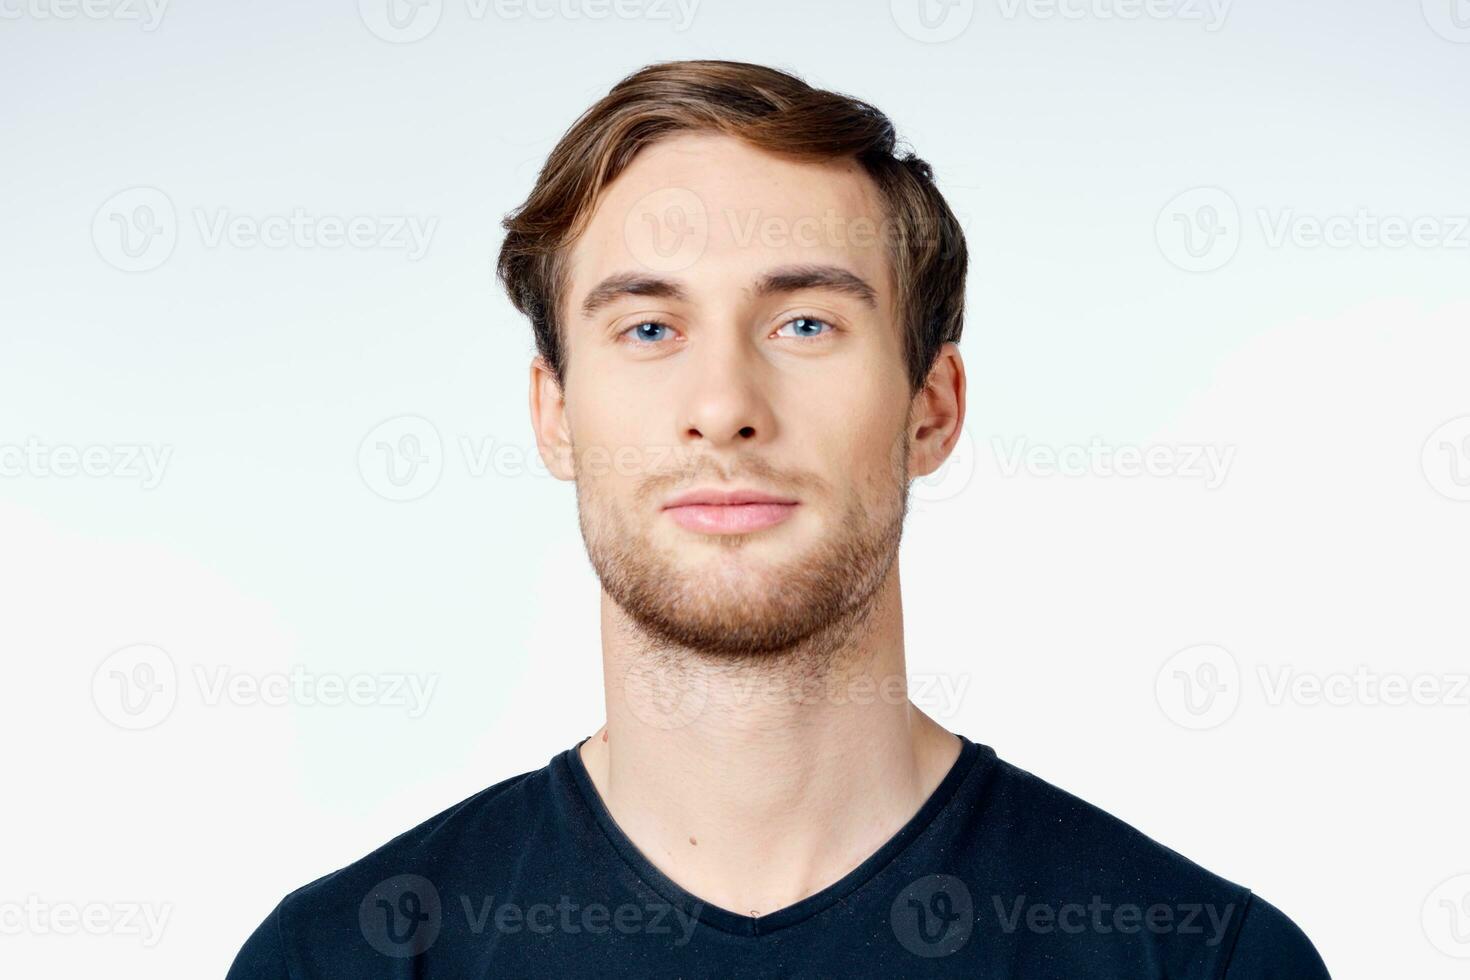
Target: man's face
(730,327)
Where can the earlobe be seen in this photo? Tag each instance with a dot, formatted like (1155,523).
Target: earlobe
(549,421)
(937,414)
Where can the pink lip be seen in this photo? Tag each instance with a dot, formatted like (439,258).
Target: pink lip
(728,511)
(729,518)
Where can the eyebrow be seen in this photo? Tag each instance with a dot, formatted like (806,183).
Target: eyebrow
(786,279)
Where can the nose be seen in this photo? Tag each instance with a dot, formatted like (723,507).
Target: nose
(726,403)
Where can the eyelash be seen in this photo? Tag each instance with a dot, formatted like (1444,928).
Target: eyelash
(831,328)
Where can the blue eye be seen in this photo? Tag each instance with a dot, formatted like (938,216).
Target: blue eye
(643,330)
(807,326)
(651,331)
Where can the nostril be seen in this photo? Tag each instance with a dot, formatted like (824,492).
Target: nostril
(747,432)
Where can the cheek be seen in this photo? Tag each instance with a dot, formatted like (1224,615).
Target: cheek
(856,446)
(862,402)
(620,438)
(606,410)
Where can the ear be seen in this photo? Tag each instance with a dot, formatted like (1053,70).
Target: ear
(937,413)
(549,420)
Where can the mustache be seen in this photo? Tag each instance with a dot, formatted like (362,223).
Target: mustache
(661,469)
(743,471)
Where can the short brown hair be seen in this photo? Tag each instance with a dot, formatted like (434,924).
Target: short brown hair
(773,111)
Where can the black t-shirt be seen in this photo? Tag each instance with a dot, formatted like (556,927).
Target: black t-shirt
(999,874)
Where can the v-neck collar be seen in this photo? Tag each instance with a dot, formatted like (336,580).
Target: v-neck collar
(754,926)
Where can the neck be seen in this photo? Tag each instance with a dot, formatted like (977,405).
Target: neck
(754,783)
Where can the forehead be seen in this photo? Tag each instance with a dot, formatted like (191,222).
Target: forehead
(716,212)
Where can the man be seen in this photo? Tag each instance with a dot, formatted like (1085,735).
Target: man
(746,307)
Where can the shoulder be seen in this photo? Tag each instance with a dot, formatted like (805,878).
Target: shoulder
(487,832)
(1272,947)
(1062,859)
(1068,839)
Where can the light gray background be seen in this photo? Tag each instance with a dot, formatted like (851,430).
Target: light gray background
(1055,616)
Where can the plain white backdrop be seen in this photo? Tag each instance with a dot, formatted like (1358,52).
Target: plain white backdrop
(280,576)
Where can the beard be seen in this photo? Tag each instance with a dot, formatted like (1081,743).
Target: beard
(733,611)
